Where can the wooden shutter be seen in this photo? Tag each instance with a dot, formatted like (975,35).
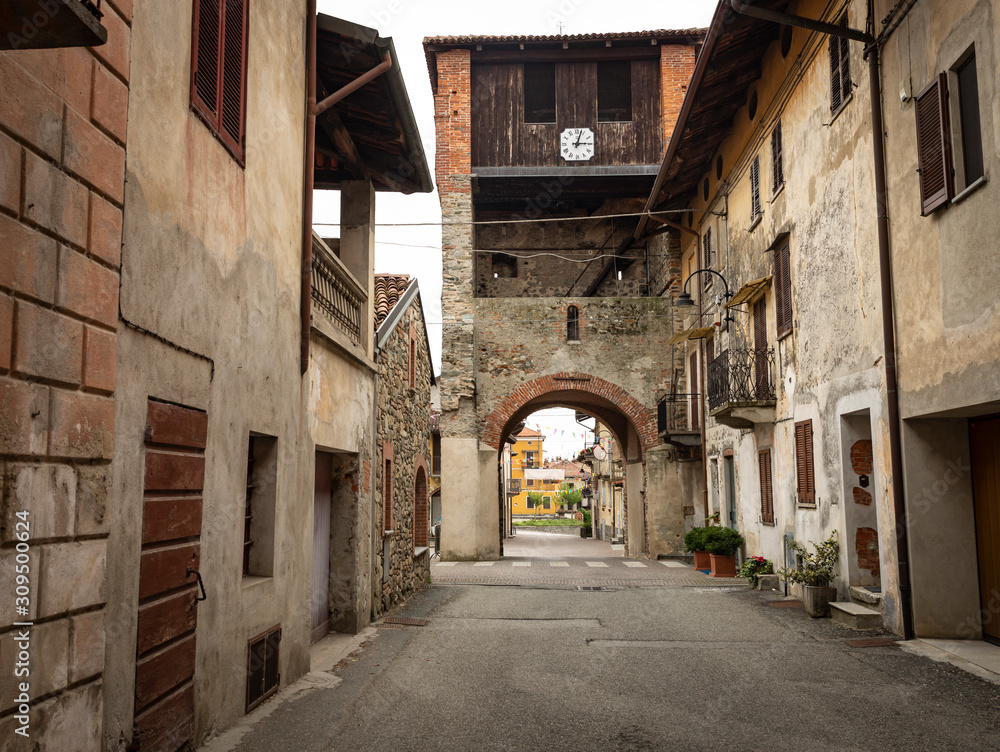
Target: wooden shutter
(761,375)
(805,479)
(693,389)
(707,244)
(777,169)
(934,146)
(840,71)
(783,288)
(766,492)
(755,189)
(219,67)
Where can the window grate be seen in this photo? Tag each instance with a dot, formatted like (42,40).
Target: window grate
(263,676)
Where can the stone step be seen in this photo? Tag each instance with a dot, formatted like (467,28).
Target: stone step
(854,615)
(865,597)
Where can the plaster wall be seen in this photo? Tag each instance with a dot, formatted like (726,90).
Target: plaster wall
(210,270)
(469,511)
(830,364)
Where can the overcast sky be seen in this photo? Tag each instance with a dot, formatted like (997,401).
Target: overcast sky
(415,250)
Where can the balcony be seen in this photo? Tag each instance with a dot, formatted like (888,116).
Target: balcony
(672,421)
(34,25)
(513,486)
(741,387)
(336,293)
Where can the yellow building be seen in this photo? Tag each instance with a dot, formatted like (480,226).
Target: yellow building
(526,460)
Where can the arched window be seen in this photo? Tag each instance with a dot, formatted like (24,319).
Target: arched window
(573,324)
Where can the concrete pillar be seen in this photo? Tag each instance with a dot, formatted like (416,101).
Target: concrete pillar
(470,528)
(357,246)
(669,483)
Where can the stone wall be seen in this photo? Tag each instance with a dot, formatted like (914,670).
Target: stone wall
(62,168)
(403,419)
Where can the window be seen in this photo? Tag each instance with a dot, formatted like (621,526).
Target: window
(530,502)
(971,142)
(766,495)
(777,169)
(840,71)
(262,667)
(614,91)
(783,288)
(258,517)
(933,150)
(805,479)
(412,357)
(755,190)
(572,324)
(504,266)
(539,92)
(529,459)
(529,482)
(387,458)
(693,389)
(219,69)
(421,511)
(546,502)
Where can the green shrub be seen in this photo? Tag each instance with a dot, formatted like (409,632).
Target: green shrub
(815,568)
(694,539)
(755,566)
(722,541)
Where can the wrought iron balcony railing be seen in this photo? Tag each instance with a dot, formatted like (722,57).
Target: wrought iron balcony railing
(336,293)
(741,377)
(513,486)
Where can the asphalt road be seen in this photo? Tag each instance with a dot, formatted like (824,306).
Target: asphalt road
(693,667)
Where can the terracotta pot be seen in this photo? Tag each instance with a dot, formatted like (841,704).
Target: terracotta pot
(723,566)
(702,560)
(817,599)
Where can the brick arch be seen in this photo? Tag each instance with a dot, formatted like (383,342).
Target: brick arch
(643,419)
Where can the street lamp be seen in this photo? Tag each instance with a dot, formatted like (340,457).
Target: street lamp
(684,299)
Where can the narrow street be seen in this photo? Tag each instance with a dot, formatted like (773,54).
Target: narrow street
(654,657)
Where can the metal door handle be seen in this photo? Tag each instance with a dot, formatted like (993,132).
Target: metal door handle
(201,585)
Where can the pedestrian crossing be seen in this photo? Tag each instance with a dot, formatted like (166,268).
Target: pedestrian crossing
(630,563)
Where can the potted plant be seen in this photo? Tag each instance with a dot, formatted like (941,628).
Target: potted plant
(586,531)
(815,571)
(754,567)
(722,544)
(694,543)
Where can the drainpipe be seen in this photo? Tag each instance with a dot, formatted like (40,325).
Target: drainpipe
(312,111)
(885,274)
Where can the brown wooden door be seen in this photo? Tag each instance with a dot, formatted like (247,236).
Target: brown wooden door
(760,349)
(985,451)
(168,585)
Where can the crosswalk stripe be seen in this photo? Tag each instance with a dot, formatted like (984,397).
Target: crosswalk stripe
(522,563)
(596,564)
(558,563)
(671,563)
(633,564)
(484,564)
(446,563)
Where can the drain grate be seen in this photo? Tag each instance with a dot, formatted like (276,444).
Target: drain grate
(591,587)
(383,625)
(405,621)
(874,642)
(785,604)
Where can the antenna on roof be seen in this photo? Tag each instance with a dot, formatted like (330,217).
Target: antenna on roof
(560,28)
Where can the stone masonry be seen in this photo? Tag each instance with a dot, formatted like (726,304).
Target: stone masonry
(62,165)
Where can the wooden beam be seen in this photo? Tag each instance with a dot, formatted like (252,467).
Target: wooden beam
(332,126)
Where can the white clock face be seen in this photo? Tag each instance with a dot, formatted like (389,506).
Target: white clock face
(576,144)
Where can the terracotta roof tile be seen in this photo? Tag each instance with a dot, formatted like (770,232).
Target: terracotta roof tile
(488,39)
(389,288)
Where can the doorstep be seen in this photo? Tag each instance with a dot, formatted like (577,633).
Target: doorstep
(975,656)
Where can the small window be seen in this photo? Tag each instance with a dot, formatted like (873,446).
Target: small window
(971,142)
(572,324)
(614,91)
(262,667)
(805,478)
(258,518)
(546,502)
(219,69)
(783,288)
(539,92)
(387,459)
(755,209)
(840,71)
(504,266)
(421,510)
(530,501)
(777,168)
(529,482)
(766,492)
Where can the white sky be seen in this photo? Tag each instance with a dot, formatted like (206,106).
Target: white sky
(408,22)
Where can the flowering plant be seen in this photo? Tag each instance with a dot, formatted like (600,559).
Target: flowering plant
(816,568)
(754,566)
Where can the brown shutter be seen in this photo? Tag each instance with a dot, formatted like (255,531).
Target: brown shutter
(835,99)
(693,389)
(761,376)
(782,288)
(205,58)
(233,100)
(755,189)
(805,479)
(934,146)
(766,492)
(845,66)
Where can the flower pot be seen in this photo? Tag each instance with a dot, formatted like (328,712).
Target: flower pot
(723,566)
(702,560)
(817,599)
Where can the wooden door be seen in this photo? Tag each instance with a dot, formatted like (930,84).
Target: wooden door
(985,451)
(168,579)
(760,375)
(322,504)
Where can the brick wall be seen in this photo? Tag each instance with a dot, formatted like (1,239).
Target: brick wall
(676,67)
(62,162)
